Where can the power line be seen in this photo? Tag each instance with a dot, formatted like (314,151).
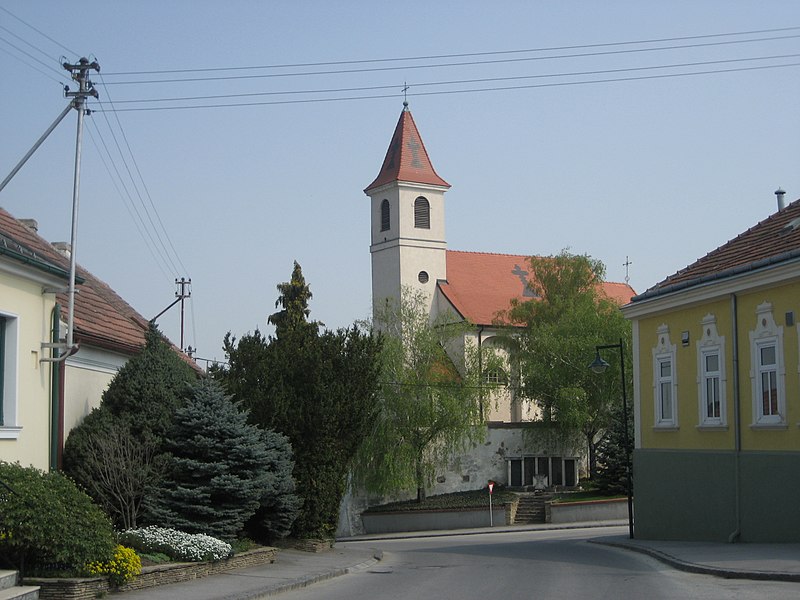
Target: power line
(459,55)
(454,82)
(464,91)
(60,82)
(149,196)
(448,64)
(44,35)
(60,73)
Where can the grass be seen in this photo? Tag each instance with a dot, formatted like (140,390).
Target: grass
(455,501)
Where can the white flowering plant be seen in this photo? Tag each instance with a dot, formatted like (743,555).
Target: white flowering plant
(192,547)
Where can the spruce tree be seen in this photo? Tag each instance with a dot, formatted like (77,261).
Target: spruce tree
(218,470)
(612,456)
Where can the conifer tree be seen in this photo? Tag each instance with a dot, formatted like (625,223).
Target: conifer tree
(219,469)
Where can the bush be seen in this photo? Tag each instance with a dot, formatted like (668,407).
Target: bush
(193,547)
(47,523)
(123,566)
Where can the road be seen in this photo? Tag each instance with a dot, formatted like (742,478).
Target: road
(534,565)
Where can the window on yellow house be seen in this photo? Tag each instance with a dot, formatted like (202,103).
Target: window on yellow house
(768,373)
(665,381)
(711,375)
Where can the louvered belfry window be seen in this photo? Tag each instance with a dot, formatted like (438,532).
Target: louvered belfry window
(422,213)
(386,220)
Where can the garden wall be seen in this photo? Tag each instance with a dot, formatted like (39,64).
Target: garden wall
(89,588)
(419,520)
(591,510)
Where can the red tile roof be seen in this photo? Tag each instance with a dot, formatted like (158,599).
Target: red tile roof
(774,240)
(102,318)
(480,285)
(406,159)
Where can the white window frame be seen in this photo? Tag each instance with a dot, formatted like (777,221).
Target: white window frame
(9,357)
(665,351)
(711,343)
(767,334)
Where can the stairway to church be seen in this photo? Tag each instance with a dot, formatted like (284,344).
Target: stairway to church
(531,507)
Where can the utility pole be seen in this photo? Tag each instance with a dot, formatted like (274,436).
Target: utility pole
(80,73)
(182,295)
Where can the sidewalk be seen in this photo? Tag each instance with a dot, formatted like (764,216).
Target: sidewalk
(294,569)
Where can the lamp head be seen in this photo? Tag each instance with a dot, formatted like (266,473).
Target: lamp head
(598,364)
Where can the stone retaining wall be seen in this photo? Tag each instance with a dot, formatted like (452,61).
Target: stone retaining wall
(591,510)
(424,520)
(89,588)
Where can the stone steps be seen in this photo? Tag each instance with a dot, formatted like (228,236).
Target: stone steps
(10,590)
(531,508)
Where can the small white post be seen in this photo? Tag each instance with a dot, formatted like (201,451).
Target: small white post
(491,515)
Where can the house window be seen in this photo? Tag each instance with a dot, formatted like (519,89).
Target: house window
(386,220)
(711,374)
(8,379)
(422,213)
(767,373)
(665,381)
(495,377)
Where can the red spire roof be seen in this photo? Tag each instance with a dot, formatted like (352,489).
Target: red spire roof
(406,159)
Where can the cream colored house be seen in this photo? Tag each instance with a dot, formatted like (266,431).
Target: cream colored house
(42,401)
(28,285)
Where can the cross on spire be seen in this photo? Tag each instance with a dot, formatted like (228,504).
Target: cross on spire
(627,264)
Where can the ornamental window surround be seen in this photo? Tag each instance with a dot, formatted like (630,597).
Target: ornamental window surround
(767,370)
(711,375)
(665,381)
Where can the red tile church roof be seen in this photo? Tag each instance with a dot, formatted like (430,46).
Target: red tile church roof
(774,240)
(480,285)
(406,159)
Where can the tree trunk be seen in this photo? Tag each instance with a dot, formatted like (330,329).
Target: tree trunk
(592,448)
(420,482)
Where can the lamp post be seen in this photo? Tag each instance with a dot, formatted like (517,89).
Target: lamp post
(600,366)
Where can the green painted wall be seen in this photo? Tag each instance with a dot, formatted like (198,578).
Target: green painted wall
(691,495)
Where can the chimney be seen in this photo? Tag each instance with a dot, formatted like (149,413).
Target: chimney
(30,224)
(64,248)
(780,193)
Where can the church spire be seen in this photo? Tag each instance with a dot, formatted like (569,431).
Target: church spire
(406,159)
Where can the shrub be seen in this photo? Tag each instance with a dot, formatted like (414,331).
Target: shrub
(49,524)
(123,566)
(193,547)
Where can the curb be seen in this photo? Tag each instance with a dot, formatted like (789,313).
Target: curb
(690,567)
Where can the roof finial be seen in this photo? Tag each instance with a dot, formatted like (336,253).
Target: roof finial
(405,95)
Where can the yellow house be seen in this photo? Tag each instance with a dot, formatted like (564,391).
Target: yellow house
(42,401)
(717,392)
(28,286)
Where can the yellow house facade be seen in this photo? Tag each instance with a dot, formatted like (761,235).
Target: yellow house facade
(28,287)
(717,392)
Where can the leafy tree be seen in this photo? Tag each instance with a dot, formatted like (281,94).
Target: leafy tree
(562,326)
(429,406)
(613,455)
(316,388)
(217,471)
(46,522)
(115,454)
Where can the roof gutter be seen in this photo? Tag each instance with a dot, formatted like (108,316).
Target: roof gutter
(37,264)
(738,270)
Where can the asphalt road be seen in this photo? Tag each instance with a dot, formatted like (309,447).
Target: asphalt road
(534,565)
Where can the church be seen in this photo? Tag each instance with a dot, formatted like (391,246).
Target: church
(409,250)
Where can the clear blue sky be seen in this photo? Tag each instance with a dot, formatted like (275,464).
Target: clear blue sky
(661,169)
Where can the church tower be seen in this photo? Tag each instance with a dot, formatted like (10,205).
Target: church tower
(408,244)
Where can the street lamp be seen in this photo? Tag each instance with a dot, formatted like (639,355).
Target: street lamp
(600,366)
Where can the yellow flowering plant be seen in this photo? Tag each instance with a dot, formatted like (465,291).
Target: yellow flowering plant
(123,566)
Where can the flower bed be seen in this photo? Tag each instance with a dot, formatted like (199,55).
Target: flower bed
(89,588)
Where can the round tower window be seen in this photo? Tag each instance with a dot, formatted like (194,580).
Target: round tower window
(423,277)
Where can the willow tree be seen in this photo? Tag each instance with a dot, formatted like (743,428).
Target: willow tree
(429,404)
